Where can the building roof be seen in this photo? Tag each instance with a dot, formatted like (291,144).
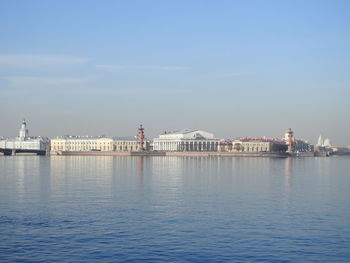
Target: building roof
(187,134)
(125,138)
(71,137)
(261,140)
(183,131)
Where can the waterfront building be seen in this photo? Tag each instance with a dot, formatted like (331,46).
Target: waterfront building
(340,149)
(302,146)
(129,144)
(186,140)
(24,143)
(103,144)
(254,145)
(81,143)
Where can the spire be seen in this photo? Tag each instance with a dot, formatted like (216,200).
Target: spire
(23,131)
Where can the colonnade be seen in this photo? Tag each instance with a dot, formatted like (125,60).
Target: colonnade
(186,146)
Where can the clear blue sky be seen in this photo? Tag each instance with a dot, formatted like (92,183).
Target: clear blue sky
(234,68)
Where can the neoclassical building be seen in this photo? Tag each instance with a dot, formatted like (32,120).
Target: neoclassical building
(24,142)
(81,143)
(254,145)
(103,144)
(129,144)
(186,140)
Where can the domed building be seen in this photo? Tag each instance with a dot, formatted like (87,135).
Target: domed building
(24,143)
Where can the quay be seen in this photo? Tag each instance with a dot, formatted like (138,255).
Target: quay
(174,154)
(106,153)
(171,154)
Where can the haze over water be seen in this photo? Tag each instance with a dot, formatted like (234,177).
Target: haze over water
(161,209)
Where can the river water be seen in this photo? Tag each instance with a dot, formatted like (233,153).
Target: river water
(174,209)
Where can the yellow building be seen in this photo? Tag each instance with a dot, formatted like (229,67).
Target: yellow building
(77,143)
(125,144)
(81,143)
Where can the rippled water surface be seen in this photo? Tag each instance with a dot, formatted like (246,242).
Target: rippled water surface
(171,209)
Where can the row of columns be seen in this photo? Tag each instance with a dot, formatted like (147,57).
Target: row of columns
(188,146)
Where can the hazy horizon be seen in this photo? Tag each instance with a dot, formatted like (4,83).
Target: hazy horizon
(233,68)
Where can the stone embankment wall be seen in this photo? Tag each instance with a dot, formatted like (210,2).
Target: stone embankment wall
(228,154)
(107,153)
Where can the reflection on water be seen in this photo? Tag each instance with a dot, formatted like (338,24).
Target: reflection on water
(71,174)
(107,208)
(289,174)
(25,173)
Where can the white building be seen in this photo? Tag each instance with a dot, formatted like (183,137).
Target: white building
(186,140)
(24,143)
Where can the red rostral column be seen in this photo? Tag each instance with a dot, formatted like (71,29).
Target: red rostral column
(141,137)
(289,135)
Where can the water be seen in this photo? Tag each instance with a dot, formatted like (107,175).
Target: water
(170,209)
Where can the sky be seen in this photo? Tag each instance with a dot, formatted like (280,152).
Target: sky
(233,68)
